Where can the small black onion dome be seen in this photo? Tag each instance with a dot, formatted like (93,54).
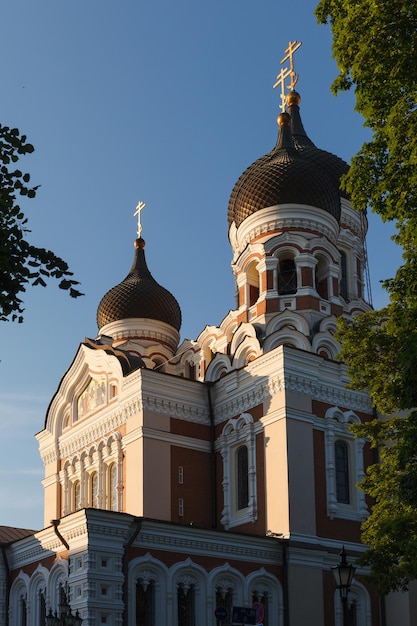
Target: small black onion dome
(284,175)
(332,165)
(139,296)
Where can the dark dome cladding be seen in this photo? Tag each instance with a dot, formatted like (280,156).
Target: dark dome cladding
(332,165)
(139,296)
(284,175)
(286,179)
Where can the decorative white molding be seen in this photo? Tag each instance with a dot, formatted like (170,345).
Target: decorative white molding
(283,217)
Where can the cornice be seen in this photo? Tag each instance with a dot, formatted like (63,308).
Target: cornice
(167,437)
(210,543)
(290,370)
(284,217)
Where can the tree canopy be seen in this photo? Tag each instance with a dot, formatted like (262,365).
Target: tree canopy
(21,263)
(375,47)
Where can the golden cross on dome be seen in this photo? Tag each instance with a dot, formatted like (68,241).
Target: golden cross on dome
(284,73)
(140,206)
(292,47)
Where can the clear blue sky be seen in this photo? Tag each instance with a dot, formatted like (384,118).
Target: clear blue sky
(166,102)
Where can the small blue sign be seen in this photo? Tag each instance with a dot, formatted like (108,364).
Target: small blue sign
(243,615)
(221,613)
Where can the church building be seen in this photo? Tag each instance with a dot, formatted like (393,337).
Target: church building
(212,482)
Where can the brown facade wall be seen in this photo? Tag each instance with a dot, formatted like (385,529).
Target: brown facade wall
(196,489)
(190,429)
(307,277)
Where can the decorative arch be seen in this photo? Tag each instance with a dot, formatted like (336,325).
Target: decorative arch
(149,573)
(328,325)
(87,363)
(19,596)
(287,279)
(37,596)
(188,578)
(322,342)
(253,287)
(247,351)
(322,274)
(288,319)
(95,460)
(266,589)
(359,602)
(344,466)
(218,367)
(226,576)
(238,433)
(57,580)
(226,585)
(289,337)
(244,331)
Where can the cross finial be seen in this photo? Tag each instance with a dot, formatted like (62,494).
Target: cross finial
(292,47)
(140,206)
(284,73)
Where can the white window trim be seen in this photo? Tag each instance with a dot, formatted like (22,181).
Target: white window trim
(337,428)
(80,467)
(238,432)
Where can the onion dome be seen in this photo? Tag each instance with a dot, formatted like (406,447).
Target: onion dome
(286,175)
(139,296)
(332,165)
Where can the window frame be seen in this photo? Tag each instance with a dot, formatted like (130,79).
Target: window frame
(337,428)
(237,433)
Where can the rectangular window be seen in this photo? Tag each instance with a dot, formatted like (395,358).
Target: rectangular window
(180,475)
(342,471)
(181,507)
(242,478)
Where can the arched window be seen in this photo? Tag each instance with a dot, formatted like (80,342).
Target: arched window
(224,598)
(341,455)
(252,277)
(287,277)
(344,466)
(260,602)
(238,449)
(76,496)
(145,602)
(343,285)
(322,276)
(358,610)
(242,477)
(191,370)
(93,490)
(186,605)
(112,491)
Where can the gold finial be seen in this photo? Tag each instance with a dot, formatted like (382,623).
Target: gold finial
(285,72)
(292,47)
(140,206)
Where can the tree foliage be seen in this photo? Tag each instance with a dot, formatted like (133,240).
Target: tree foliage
(21,263)
(375,47)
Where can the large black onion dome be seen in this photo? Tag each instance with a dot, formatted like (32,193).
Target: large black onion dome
(332,165)
(284,175)
(139,296)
